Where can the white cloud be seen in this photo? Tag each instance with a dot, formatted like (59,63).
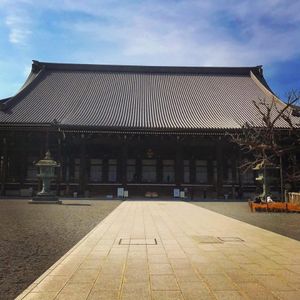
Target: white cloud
(18,21)
(224,32)
(149,32)
(192,32)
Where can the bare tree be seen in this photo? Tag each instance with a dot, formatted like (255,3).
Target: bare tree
(276,136)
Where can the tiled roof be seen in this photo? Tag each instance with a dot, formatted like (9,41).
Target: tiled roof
(137,97)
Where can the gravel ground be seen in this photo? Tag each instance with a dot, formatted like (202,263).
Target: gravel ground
(287,224)
(33,237)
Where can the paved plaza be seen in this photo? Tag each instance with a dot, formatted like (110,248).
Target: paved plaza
(173,250)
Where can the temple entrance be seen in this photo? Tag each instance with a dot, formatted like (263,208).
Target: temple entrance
(149,171)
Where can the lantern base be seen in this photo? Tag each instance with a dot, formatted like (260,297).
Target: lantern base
(45,199)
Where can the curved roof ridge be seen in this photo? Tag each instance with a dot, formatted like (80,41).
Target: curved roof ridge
(25,88)
(148,69)
(262,84)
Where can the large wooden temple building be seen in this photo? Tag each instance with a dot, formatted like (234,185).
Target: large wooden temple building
(141,128)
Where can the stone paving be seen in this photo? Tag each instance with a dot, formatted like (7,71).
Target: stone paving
(173,250)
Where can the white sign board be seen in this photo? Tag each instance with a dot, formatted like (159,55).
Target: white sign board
(120,192)
(176,193)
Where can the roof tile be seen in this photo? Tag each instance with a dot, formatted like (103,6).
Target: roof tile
(141,98)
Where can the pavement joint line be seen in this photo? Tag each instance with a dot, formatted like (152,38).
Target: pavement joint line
(168,261)
(203,278)
(120,292)
(80,242)
(100,269)
(46,273)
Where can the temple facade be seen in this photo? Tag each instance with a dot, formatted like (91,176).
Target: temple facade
(149,130)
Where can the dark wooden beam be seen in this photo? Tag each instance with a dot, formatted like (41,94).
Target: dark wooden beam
(179,164)
(23,154)
(192,170)
(219,157)
(210,171)
(123,162)
(82,166)
(60,161)
(159,170)
(4,159)
(138,169)
(105,169)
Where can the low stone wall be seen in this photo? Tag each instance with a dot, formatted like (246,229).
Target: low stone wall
(294,198)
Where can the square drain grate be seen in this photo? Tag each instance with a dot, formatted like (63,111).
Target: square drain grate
(230,239)
(206,239)
(138,241)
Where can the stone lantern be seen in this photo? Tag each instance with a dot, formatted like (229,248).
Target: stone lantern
(46,172)
(264,178)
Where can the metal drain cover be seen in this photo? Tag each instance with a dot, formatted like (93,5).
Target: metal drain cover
(230,239)
(138,241)
(206,239)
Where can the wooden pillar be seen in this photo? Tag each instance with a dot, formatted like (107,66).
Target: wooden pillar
(42,151)
(138,169)
(210,170)
(159,170)
(65,160)
(105,169)
(18,154)
(4,159)
(67,172)
(239,176)
(123,163)
(179,164)
(14,158)
(22,157)
(192,170)
(59,158)
(234,168)
(219,156)
(82,166)
(46,141)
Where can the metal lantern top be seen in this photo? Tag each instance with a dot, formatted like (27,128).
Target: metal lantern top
(47,166)
(47,161)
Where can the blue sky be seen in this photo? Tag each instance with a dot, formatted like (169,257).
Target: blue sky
(156,32)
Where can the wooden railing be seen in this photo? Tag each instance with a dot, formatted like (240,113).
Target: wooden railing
(294,198)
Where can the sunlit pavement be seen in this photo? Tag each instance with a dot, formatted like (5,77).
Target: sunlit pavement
(173,250)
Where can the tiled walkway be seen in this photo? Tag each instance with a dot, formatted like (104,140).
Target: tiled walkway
(199,255)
